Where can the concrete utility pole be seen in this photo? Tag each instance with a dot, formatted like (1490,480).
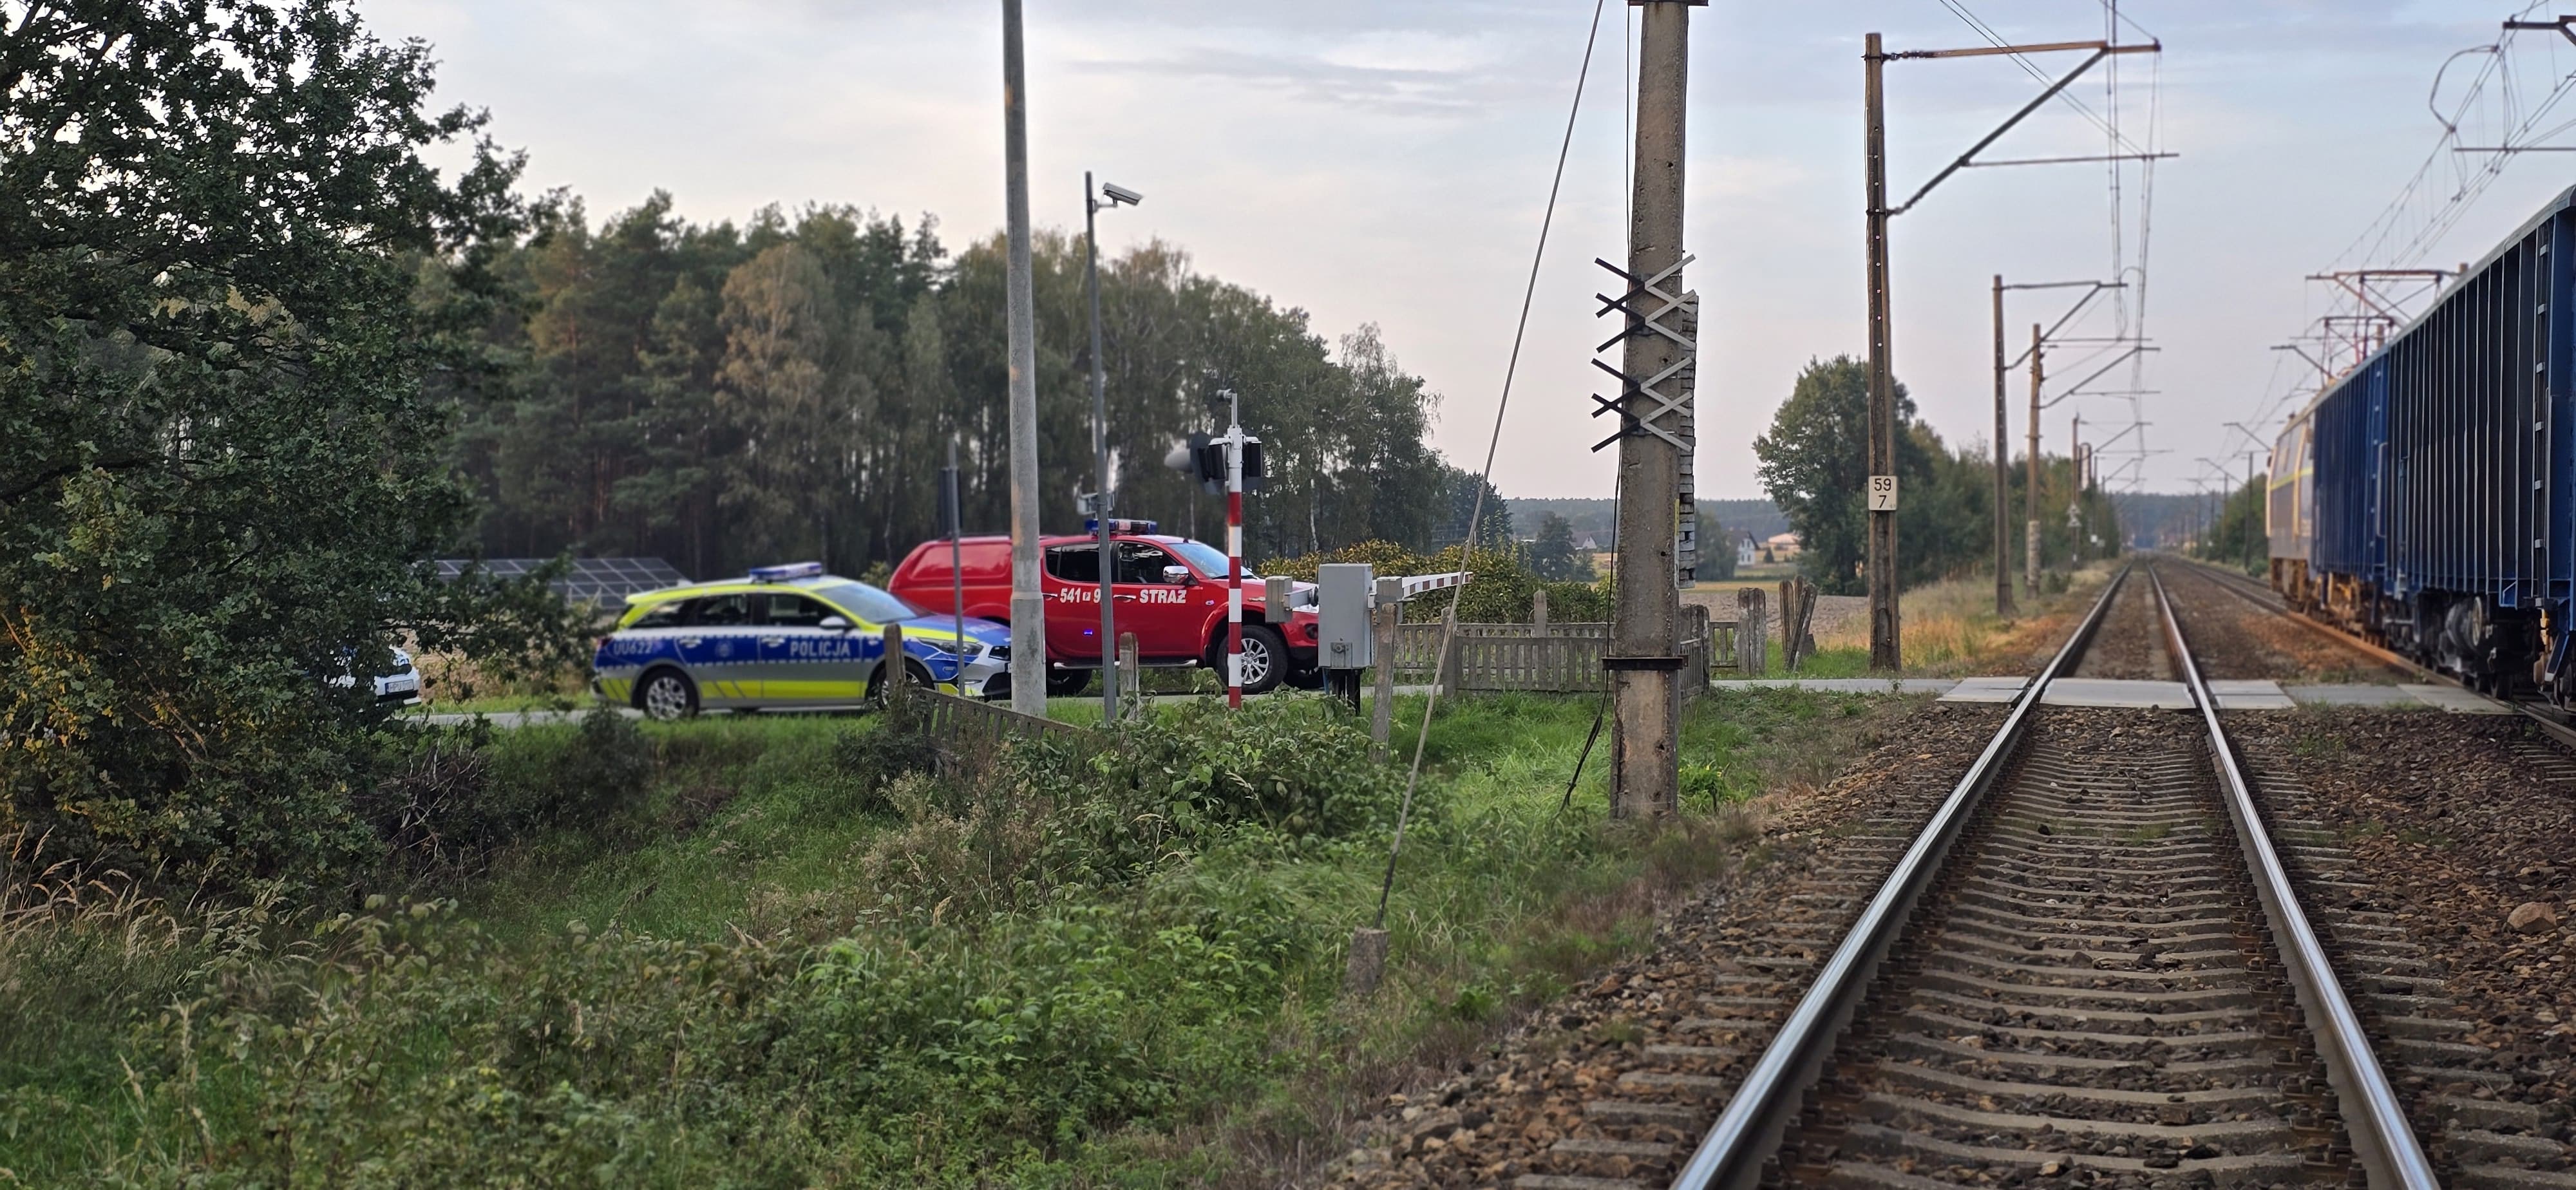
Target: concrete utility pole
(1885,623)
(1645,645)
(1028,604)
(1100,504)
(2003,469)
(2030,529)
(1104,503)
(2039,341)
(1885,618)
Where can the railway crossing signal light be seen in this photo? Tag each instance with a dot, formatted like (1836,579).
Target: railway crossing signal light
(1204,457)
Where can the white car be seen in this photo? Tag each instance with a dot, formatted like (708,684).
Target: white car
(399,686)
(402,686)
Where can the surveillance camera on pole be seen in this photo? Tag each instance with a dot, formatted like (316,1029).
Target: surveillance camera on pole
(1103,502)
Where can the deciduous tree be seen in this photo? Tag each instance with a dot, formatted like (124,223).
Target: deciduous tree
(233,305)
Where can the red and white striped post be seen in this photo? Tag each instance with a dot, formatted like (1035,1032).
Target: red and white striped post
(1234,564)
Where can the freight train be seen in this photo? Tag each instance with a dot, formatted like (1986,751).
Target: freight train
(2427,499)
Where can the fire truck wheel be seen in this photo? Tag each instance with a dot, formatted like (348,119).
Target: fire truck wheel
(1265,658)
(1063,682)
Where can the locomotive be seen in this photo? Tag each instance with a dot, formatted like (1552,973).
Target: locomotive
(2426,500)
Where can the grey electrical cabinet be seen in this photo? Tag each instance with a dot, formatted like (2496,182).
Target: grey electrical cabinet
(1342,607)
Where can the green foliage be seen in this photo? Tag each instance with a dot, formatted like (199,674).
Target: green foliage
(1299,768)
(2238,535)
(1068,972)
(1553,554)
(1498,594)
(1580,602)
(726,396)
(1814,462)
(1471,503)
(452,799)
(582,782)
(1716,549)
(232,308)
(876,754)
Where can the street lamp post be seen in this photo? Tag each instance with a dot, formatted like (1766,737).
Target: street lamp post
(1092,201)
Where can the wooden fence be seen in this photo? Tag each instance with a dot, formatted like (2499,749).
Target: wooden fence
(1563,658)
(964,732)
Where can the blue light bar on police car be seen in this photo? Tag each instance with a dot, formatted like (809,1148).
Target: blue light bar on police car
(1117,525)
(780,574)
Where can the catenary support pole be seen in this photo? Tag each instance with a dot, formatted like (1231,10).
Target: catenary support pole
(2003,471)
(1645,625)
(1234,557)
(1886,649)
(1100,504)
(2030,528)
(1028,603)
(2075,490)
(2253,521)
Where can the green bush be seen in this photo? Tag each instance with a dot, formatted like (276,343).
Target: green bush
(541,777)
(1296,768)
(452,798)
(876,753)
(1498,594)
(412,1048)
(1580,602)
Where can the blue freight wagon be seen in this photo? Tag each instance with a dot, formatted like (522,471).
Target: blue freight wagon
(2424,500)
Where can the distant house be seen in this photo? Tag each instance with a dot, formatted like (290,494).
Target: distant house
(1744,550)
(1782,546)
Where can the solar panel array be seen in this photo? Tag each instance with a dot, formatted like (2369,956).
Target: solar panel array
(591,580)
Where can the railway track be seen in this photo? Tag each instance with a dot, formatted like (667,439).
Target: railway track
(2552,721)
(2089,967)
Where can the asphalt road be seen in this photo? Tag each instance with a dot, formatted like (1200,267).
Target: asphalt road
(505,719)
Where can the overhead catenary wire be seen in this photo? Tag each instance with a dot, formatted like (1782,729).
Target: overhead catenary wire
(1618,486)
(1982,29)
(2129,310)
(1484,477)
(2425,210)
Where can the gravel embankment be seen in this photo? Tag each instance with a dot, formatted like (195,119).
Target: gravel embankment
(2130,644)
(2461,835)
(1619,1079)
(2233,638)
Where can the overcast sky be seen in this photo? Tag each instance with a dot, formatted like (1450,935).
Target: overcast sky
(1387,161)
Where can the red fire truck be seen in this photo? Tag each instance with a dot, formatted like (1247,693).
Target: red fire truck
(1170,594)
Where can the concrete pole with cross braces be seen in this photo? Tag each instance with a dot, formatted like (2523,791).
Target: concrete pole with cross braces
(1645,629)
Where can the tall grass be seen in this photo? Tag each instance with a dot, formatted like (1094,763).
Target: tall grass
(1950,626)
(775,965)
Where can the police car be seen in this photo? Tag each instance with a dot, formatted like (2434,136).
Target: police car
(783,636)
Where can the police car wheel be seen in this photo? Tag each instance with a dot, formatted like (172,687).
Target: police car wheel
(1265,658)
(668,695)
(918,677)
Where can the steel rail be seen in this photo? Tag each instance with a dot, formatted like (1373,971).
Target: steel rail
(2372,1116)
(1732,1155)
(2228,581)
